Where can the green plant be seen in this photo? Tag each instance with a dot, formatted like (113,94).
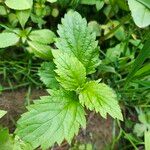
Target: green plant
(60,115)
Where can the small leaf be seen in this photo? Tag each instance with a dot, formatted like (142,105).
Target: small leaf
(71,72)
(40,50)
(23,16)
(52,119)
(43,36)
(140,13)
(8,39)
(19,5)
(2,113)
(47,75)
(100,97)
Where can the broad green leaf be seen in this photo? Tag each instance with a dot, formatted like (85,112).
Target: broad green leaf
(143,55)
(140,13)
(77,40)
(147,140)
(40,50)
(101,98)
(3,10)
(43,36)
(47,75)
(2,113)
(23,16)
(8,39)
(52,119)
(71,72)
(19,5)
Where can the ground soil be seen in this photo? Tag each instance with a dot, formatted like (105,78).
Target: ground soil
(98,131)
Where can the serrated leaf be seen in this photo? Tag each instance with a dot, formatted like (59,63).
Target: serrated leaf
(8,39)
(52,119)
(47,75)
(19,5)
(100,97)
(2,113)
(40,50)
(43,36)
(77,40)
(140,13)
(71,72)
(23,16)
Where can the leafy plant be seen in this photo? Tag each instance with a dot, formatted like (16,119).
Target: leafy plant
(59,116)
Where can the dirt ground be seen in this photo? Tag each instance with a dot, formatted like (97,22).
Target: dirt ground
(98,132)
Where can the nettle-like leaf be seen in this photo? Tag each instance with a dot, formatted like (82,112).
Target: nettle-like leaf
(47,75)
(52,119)
(71,72)
(100,97)
(76,39)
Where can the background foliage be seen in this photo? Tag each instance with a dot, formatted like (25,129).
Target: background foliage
(28,31)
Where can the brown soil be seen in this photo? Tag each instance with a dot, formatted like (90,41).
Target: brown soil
(98,131)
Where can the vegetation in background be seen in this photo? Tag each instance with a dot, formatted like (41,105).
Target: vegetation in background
(77,48)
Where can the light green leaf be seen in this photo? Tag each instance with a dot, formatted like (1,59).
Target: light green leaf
(140,13)
(71,72)
(52,119)
(23,16)
(40,50)
(43,36)
(19,5)
(8,39)
(2,113)
(52,1)
(100,97)
(76,39)
(147,140)
(47,75)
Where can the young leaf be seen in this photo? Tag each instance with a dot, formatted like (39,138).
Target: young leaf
(8,39)
(43,36)
(100,97)
(23,16)
(77,40)
(71,72)
(40,50)
(19,5)
(140,13)
(47,75)
(52,119)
